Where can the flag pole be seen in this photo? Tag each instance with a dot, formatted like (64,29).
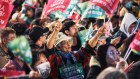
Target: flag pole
(127,53)
(29,66)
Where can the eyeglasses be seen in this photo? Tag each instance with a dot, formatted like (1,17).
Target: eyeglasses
(117,52)
(69,41)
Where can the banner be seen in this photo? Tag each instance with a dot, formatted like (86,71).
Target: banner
(135,44)
(5,11)
(108,5)
(94,12)
(53,5)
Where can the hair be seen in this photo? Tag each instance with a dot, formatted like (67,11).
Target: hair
(67,26)
(101,55)
(124,47)
(114,17)
(29,9)
(20,28)
(35,22)
(112,73)
(5,32)
(35,58)
(99,22)
(42,22)
(38,12)
(126,44)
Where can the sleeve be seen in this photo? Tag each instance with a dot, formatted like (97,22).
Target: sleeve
(55,62)
(84,54)
(93,72)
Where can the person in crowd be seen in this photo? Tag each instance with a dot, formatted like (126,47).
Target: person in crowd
(129,6)
(134,72)
(7,35)
(107,55)
(45,22)
(40,53)
(8,60)
(33,23)
(38,37)
(70,29)
(39,3)
(28,16)
(128,27)
(20,28)
(112,73)
(115,23)
(124,47)
(96,26)
(64,55)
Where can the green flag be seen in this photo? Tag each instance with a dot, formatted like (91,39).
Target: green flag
(20,48)
(94,11)
(84,35)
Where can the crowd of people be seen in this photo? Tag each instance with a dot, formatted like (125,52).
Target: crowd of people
(57,49)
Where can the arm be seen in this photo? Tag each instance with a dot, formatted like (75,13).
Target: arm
(52,37)
(93,41)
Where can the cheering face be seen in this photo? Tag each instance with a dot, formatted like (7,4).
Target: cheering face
(10,38)
(131,27)
(66,45)
(112,56)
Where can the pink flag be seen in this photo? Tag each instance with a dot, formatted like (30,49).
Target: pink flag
(108,5)
(5,11)
(44,10)
(8,1)
(54,5)
(135,44)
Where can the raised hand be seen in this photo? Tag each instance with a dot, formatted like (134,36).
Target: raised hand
(115,41)
(58,26)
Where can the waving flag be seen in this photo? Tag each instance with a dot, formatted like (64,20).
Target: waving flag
(94,11)
(135,44)
(20,48)
(84,35)
(8,1)
(53,5)
(108,5)
(5,11)
(72,4)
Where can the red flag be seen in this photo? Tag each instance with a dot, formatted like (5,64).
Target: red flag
(5,11)
(108,5)
(8,1)
(9,73)
(135,44)
(54,5)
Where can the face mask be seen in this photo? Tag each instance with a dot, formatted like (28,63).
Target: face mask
(44,69)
